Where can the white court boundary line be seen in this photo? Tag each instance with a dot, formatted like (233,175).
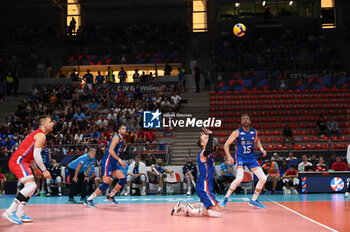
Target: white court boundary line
(303,216)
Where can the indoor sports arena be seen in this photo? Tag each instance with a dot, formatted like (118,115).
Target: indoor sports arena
(175,115)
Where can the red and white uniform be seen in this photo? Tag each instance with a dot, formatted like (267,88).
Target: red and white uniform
(20,161)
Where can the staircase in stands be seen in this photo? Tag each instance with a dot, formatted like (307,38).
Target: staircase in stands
(185,139)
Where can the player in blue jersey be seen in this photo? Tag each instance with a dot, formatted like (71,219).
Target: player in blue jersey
(204,186)
(110,167)
(245,138)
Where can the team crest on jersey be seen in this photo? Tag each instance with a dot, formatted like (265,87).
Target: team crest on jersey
(253,137)
(243,143)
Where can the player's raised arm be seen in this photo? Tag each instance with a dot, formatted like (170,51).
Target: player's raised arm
(233,136)
(39,141)
(111,151)
(259,145)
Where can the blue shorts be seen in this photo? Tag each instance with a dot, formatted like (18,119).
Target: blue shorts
(249,161)
(206,196)
(109,167)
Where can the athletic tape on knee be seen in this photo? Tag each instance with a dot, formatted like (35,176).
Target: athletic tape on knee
(142,178)
(122,181)
(238,179)
(213,213)
(58,179)
(262,178)
(29,189)
(103,187)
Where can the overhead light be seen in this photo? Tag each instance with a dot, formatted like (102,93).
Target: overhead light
(264,3)
(237,4)
(290,3)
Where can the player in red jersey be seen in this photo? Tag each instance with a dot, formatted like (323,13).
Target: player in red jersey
(19,164)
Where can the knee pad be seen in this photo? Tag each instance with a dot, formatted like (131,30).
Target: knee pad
(142,178)
(129,178)
(58,179)
(296,181)
(239,175)
(103,187)
(29,189)
(122,181)
(48,181)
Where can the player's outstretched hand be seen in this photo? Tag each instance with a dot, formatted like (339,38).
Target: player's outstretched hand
(263,151)
(47,174)
(207,131)
(122,163)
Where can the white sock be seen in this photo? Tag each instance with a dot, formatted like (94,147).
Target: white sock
(144,189)
(59,189)
(194,183)
(159,189)
(49,189)
(128,189)
(112,193)
(20,209)
(232,188)
(92,196)
(13,206)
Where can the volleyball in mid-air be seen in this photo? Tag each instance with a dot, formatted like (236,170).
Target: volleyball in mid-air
(239,29)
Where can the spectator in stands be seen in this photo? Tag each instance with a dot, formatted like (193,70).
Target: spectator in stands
(167,69)
(226,174)
(339,165)
(313,160)
(2,184)
(321,166)
(165,105)
(276,158)
(190,174)
(88,78)
(197,78)
(332,127)
(74,76)
(283,168)
(291,157)
(9,83)
(136,76)
(55,171)
(151,142)
(136,173)
(304,163)
(290,180)
(71,28)
(78,170)
(181,77)
(93,108)
(288,135)
(110,78)
(272,171)
(321,126)
(122,75)
(99,79)
(156,175)
(143,77)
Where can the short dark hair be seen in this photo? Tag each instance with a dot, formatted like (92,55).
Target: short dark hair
(43,118)
(293,166)
(121,125)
